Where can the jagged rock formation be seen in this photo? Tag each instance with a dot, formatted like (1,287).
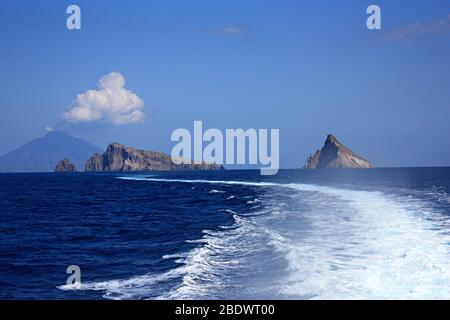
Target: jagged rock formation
(65,166)
(122,158)
(335,155)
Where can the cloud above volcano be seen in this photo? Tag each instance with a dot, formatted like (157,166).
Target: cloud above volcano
(111,102)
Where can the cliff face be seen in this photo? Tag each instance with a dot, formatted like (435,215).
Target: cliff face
(65,166)
(122,158)
(335,155)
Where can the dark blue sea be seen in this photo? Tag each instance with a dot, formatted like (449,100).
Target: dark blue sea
(325,234)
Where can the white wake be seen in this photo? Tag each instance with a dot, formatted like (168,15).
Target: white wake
(310,242)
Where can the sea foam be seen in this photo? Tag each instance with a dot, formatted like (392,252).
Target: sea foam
(309,242)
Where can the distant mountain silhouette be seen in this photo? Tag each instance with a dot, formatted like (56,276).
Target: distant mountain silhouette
(42,154)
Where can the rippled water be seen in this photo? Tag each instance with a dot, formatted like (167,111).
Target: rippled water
(350,234)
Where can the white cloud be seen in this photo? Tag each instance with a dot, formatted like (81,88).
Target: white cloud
(419,28)
(232,30)
(111,102)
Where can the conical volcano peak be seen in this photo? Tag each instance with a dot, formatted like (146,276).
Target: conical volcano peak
(42,154)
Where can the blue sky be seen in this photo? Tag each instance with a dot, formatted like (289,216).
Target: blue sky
(308,68)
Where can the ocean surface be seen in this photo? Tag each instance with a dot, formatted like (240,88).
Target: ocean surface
(325,234)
